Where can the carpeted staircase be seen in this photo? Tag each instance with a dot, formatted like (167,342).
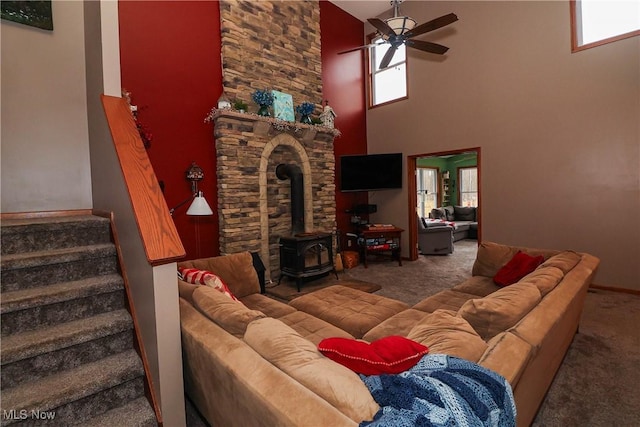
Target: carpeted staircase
(68,345)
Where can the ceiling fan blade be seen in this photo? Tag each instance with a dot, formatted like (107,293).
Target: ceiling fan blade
(382,27)
(386,59)
(357,48)
(427,46)
(432,25)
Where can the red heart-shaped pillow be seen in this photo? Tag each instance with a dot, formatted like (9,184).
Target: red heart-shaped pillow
(388,355)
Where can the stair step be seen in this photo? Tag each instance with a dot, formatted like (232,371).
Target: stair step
(25,299)
(34,269)
(74,394)
(93,296)
(137,413)
(31,355)
(38,234)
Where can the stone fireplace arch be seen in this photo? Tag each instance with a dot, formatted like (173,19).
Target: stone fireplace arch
(305,165)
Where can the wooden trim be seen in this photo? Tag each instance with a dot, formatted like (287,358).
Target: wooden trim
(160,238)
(575,47)
(413,199)
(615,289)
(149,390)
(412,188)
(44,214)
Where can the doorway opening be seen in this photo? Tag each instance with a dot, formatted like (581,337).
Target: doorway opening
(446,178)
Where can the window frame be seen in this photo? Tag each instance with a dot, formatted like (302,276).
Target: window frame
(477,192)
(573,8)
(368,57)
(438,184)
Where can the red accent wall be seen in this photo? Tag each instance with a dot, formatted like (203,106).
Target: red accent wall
(343,82)
(170,62)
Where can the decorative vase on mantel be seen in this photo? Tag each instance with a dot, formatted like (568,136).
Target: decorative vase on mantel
(264,111)
(306,119)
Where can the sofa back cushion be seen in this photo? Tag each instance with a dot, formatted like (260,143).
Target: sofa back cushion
(545,278)
(464,213)
(232,316)
(445,333)
(493,256)
(236,270)
(500,310)
(565,261)
(300,359)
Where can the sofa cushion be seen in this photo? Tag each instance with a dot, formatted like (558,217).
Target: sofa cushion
(447,299)
(268,306)
(231,315)
(236,270)
(388,355)
(500,310)
(438,213)
(449,213)
(398,324)
(312,328)
(301,360)
(349,309)
(185,290)
(207,278)
(477,285)
(507,355)
(464,213)
(565,261)
(519,266)
(544,278)
(490,258)
(445,333)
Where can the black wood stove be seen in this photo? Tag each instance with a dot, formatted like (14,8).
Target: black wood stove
(306,255)
(302,255)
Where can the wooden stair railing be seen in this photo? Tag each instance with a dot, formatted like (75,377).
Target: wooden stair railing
(159,236)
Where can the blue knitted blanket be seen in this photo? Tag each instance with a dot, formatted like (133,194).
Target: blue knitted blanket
(439,391)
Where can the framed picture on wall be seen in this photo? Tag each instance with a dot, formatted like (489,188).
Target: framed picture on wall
(283,106)
(34,13)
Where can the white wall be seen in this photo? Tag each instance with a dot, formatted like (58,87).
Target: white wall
(559,132)
(45,148)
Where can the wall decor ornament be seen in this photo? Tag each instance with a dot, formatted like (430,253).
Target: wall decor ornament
(264,99)
(283,106)
(34,13)
(328,116)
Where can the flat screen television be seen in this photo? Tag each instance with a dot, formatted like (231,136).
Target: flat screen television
(371,172)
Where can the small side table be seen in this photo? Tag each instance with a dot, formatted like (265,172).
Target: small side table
(380,240)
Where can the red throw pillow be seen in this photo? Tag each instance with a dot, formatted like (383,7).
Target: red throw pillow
(519,266)
(389,355)
(207,278)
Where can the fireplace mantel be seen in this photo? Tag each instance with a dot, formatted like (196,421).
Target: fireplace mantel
(268,126)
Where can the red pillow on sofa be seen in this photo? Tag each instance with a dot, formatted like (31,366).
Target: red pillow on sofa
(519,266)
(388,355)
(207,278)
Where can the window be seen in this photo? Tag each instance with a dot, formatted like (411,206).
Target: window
(427,184)
(468,179)
(388,84)
(597,22)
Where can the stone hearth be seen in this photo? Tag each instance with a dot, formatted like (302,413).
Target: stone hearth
(254,206)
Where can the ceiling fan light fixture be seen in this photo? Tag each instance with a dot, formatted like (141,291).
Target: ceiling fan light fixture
(400,24)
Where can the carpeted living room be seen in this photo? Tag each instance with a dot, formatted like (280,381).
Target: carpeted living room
(135,143)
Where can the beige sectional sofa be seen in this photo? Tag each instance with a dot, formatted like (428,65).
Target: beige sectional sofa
(257,363)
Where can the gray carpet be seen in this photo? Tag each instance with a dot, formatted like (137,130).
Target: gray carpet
(596,383)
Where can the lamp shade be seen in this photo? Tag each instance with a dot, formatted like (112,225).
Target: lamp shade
(199,206)
(401,24)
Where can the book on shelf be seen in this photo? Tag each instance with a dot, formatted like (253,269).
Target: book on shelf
(380,227)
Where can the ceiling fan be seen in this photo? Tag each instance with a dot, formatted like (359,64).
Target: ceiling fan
(399,30)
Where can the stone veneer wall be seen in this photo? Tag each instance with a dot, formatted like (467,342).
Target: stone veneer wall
(271,45)
(254,207)
(260,50)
